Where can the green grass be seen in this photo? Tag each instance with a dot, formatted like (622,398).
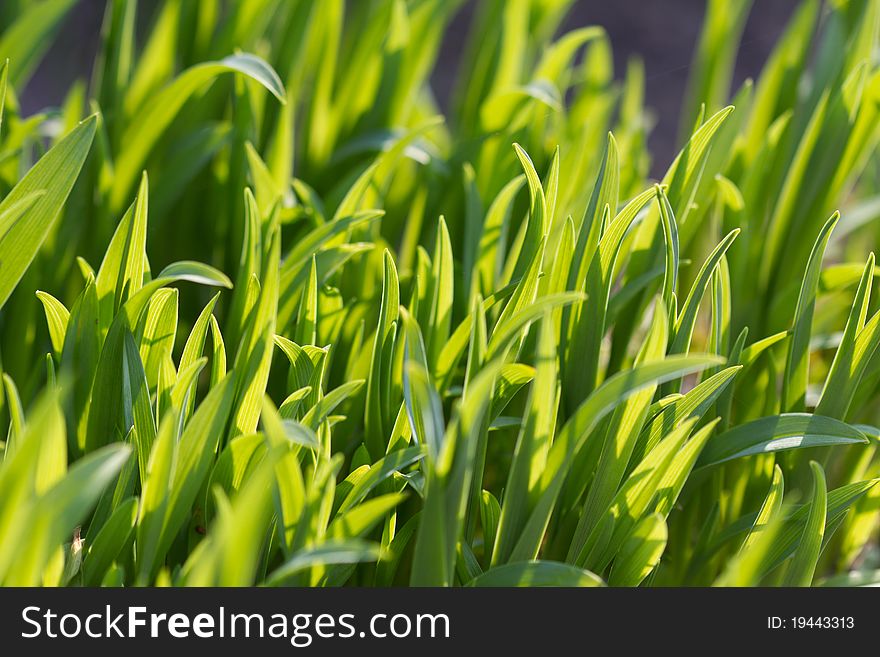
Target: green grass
(269,317)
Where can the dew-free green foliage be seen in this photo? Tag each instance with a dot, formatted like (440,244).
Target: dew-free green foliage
(270,315)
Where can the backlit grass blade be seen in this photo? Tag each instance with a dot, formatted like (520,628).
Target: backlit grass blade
(21,482)
(776,433)
(195,454)
(4,79)
(770,509)
(840,500)
(640,552)
(53,175)
(492,243)
(505,332)
(803,564)
(747,567)
(157,330)
(797,363)
(622,434)
(536,573)
(532,446)
(105,406)
(630,504)
(679,471)
(109,542)
(57,317)
(380,470)
(472,385)
(573,434)
(695,403)
(329,552)
(575,431)
(307,320)
(449,477)
(378,389)
(423,406)
(145,129)
(14,408)
(137,408)
(538,220)
(857,346)
(587,327)
(441,297)
(254,357)
(670,238)
(231,555)
(63,507)
(684,323)
(122,270)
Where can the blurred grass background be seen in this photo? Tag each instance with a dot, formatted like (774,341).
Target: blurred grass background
(662,32)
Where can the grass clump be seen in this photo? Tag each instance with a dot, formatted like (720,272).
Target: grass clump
(269,317)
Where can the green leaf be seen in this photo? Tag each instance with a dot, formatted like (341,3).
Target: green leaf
(377,387)
(16,415)
(65,506)
(154,499)
(777,433)
(508,328)
(770,509)
(496,226)
(571,437)
(687,318)
(676,476)
(441,293)
(319,412)
(195,342)
(586,322)
(423,406)
(449,478)
(328,552)
(177,490)
(194,272)
(803,564)
(4,78)
(122,270)
(307,320)
(797,362)
(857,345)
(379,471)
(22,232)
(360,519)
(530,453)
(695,403)
(109,542)
(617,388)
(632,502)
(137,409)
(148,125)
(640,553)
(747,567)
(158,331)
(621,435)
(536,573)
(670,237)
(57,317)
(230,556)
(254,358)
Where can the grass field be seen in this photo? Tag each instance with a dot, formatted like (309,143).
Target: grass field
(271,316)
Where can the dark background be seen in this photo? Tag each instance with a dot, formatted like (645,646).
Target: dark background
(662,32)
